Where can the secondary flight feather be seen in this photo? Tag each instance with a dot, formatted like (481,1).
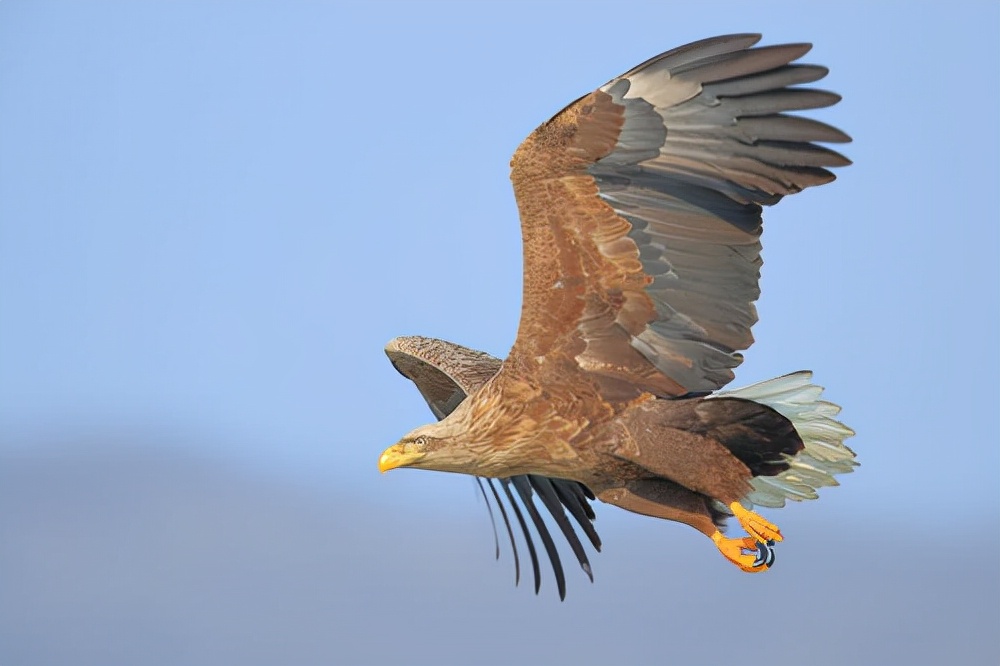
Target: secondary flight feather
(640,207)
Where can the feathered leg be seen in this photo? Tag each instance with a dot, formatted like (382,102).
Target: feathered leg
(661,498)
(714,448)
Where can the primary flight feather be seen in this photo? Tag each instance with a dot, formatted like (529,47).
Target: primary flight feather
(640,208)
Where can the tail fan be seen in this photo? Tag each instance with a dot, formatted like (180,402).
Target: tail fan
(795,397)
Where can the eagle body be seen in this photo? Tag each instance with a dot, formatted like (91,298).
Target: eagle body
(640,208)
(571,435)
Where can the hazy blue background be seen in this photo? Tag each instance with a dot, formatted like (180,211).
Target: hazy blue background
(212,217)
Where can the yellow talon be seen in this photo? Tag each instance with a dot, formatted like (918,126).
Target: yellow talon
(747,553)
(755,525)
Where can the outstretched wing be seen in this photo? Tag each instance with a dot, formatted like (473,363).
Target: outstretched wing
(445,373)
(641,214)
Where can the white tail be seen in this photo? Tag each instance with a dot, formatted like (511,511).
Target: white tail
(797,399)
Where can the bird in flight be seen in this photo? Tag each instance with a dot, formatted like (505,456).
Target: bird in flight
(640,207)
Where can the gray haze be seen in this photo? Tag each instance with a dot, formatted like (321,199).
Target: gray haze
(120,557)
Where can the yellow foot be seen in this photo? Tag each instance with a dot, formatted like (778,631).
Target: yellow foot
(747,553)
(755,525)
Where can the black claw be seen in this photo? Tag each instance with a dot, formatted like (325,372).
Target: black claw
(765,554)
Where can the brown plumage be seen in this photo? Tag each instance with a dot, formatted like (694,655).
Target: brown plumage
(640,209)
(445,373)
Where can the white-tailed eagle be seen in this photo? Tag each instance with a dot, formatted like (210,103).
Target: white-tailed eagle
(640,208)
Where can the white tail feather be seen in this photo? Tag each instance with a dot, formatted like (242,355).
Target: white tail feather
(797,399)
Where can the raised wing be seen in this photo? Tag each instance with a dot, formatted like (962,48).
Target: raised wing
(445,373)
(641,214)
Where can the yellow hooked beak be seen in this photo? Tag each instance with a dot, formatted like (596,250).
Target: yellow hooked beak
(399,455)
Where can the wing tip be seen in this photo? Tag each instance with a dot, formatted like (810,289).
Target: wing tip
(750,37)
(737,41)
(399,344)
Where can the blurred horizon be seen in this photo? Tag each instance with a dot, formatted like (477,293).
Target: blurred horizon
(132,556)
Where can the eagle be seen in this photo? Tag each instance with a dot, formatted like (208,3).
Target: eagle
(640,207)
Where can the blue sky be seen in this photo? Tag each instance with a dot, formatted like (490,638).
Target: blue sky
(214,215)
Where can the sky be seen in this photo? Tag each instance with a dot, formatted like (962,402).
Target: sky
(214,215)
